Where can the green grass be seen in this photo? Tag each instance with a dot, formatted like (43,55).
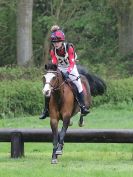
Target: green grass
(102,117)
(84,160)
(89,162)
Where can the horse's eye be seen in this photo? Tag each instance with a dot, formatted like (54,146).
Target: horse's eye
(54,77)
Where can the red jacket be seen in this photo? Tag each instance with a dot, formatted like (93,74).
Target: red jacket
(63,58)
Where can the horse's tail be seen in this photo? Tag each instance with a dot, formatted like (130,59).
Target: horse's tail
(97,85)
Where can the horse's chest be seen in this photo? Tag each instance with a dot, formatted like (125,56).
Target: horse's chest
(58,101)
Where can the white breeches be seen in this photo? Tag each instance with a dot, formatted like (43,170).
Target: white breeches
(73,76)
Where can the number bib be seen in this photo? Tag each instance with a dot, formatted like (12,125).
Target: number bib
(63,61)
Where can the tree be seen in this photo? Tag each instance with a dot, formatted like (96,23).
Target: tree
(24,33)
(7,32)
(124,13)
(55,8)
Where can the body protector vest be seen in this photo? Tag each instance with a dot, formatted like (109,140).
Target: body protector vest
(63,59)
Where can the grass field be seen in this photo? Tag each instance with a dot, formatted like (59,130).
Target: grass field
(78,160)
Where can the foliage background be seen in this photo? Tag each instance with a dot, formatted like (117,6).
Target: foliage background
(92,26)
(21,92)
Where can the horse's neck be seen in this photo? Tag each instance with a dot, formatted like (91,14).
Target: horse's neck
(61,85)
(58,96)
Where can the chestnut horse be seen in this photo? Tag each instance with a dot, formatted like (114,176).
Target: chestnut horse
(63,104)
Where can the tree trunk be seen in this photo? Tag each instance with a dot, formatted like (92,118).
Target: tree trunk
(46,49)
(24,33)
(126,30)
(124,13)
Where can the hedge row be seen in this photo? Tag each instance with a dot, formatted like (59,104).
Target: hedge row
(20,97)
(118,91)
(25,97)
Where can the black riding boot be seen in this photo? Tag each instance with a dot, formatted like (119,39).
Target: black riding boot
(83,108)
(45,112)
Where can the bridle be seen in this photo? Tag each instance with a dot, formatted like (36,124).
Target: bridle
(58,74)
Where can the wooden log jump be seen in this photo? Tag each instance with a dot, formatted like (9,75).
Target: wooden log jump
(18,137)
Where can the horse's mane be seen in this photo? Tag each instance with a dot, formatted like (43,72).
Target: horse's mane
(50,66)
(97,85)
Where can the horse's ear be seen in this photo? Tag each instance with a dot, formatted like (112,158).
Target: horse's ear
(46,67)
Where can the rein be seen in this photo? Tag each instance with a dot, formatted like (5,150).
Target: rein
(57,76)
(57,88)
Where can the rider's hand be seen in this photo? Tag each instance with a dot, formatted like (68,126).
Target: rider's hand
(66,75)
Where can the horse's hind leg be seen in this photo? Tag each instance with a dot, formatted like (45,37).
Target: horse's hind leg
(81,121)
(62,136)
(60,144)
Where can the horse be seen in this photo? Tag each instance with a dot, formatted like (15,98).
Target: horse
(63,104)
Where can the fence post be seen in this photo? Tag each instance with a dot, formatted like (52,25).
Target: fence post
(17,145)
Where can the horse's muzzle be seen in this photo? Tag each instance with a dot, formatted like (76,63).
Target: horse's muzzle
(46,93)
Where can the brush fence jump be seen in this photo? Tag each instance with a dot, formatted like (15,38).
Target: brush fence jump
(18,137)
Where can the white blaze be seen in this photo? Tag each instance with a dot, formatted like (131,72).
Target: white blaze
(47,87)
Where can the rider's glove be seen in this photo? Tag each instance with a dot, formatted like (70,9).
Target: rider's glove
(66,75)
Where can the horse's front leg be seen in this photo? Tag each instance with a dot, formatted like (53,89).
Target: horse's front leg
(54,127)
(62,134)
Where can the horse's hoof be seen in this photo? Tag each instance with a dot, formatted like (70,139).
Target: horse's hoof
(54,161)
(81,124)
(59,149)
(58,152)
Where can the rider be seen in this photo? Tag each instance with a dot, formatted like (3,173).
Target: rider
(65,59)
